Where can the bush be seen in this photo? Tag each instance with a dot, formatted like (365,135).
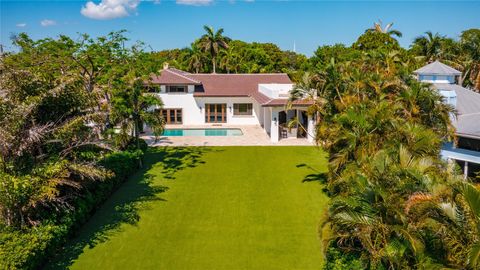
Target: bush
(339,260)
(28,248)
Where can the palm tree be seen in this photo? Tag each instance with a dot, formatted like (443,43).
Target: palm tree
(229,60)
(470,47)
(212,42)
(196,58)
(453,214)
(428,46)
(377,27)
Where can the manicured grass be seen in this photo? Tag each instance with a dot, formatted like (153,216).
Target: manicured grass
(210,208)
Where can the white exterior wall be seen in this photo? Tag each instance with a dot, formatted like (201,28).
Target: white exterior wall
(193,108)
(190,111)
(231,119)
(259,111)
(274,137)
(311,129)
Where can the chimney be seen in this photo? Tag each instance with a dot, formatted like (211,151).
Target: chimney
(165,65)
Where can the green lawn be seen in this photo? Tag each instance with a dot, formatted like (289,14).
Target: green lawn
(210,208)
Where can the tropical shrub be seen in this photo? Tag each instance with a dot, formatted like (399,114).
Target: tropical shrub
(393,201)
(28,247)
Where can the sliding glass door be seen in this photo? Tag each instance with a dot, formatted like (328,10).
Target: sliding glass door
(216,113)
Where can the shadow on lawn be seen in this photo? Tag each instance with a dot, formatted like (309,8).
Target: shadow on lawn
(133,195)
(315,176)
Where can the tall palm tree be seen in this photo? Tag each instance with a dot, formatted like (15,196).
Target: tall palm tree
(377,27)
(212,42)
(196,58)
(470,46)
(428,46)
(453,213)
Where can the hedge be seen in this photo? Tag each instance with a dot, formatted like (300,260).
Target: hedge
(29,248)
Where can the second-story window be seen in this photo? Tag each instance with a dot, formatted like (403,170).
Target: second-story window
(176,89)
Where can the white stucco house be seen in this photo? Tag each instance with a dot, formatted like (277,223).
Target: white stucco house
(231,100)
(446,80)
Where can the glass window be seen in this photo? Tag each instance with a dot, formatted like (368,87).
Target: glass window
(242,109)
(172,116)
(179,116)
(177,89)
(153,88)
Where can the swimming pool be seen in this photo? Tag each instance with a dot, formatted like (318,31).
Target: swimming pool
(203,132)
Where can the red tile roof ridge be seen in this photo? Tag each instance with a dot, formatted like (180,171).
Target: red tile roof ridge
(176,70)
(242,74)
(181,75)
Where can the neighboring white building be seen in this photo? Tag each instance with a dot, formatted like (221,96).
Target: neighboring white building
(466,119)
(232,100)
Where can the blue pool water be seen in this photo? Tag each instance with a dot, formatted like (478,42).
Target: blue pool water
(203,132)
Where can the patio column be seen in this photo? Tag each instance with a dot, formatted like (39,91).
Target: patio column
(465,170)
(274,126)
(267,119)
(311,129)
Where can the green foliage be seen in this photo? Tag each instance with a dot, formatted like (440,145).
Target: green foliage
(338,260)
(373,40)
(239,57)
(27,248)
(393,204)
(463,54)
(339,52)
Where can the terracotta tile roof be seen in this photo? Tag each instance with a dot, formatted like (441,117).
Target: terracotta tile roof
(228,85)
(220,84)
(235,84)
(283,102)
(260,98)
(173,76)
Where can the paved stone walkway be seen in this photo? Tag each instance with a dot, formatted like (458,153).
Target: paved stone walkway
(252,135)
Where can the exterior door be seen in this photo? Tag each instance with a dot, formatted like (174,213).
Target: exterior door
(216,113)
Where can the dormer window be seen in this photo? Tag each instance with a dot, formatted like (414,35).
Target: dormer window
(177,88)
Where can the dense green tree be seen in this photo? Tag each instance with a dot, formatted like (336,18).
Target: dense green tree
(57,96)
(383,131)
(132,104)
(373,40)
(41,171)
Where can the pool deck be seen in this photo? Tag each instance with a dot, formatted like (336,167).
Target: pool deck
(252,136)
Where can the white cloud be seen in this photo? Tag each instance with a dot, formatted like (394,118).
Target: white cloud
(21,24)
(195,2)
(109,9)
(48,22)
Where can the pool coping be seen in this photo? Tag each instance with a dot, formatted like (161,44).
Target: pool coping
(253,135)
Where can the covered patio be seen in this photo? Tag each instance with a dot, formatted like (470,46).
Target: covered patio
(278,119)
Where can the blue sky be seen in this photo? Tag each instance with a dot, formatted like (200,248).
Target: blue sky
(164,24)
